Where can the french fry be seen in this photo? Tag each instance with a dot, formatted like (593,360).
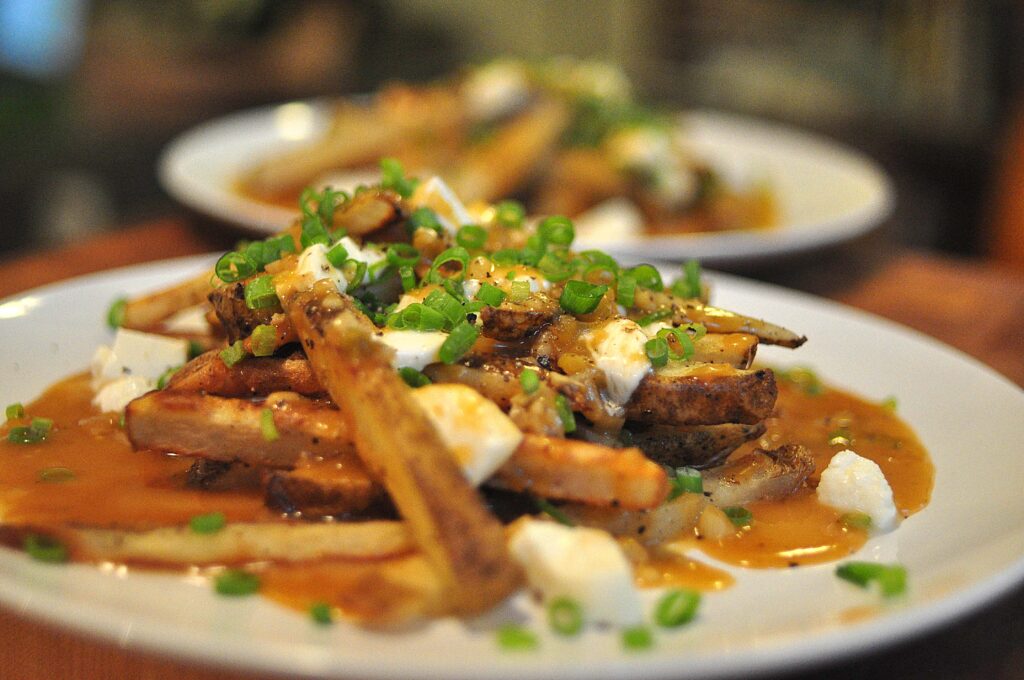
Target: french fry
(145,312)
(462,541)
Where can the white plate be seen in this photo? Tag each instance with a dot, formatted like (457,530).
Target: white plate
(961,551)
(826,193)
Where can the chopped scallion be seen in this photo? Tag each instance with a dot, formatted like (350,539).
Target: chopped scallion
(166,376)
(471,236)
(738,515)
(233,266)
(267,426)
(491,295)
(33,433)
(637,638)
(520,291)
(263,340)
(565,616)
(580,297)
(509,214)
(557,229)
(321,613)
(336,255)
(15,410)
(554,512)
(393,177)
(625,290)
(458,254)
(412,377)
(653,317)
(210,523)
(260,293)
(233,353)
(45,549)
(529,380)
(656,350)
(115,315)
(458,342)
(56,474)
(424,218)
(236,583)
(682,339)
(514,638)
(677,607)
(565,414)
(891,578)
(647,277)
(856,520)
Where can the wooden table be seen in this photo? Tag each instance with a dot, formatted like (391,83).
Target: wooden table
(968,304)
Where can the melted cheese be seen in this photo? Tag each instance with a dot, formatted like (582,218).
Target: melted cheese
(618,349)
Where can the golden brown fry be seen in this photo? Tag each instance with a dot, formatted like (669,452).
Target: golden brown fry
(462,541)
(145,312)
(240,542)
(650,527)
(581,471)
(209,374)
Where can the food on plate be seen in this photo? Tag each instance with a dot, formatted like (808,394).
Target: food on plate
(563,136)
(403,407)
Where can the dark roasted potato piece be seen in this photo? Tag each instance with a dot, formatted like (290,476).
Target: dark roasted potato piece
(235,317)
(316,489)
(703,395)
(699,446)
(516,322)
(208,374)
(763,475)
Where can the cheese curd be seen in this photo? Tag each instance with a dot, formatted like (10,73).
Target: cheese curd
(132,366)
(852,483)
(581,563)
(313,265)
(439,197)
(618,349)
(473,427)
(413,349)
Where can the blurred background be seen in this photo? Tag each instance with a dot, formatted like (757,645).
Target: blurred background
(90,92)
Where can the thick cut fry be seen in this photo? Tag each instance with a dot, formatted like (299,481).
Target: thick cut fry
(581,471)
(703,395)
(323,487)
(232,429)
(242,542)
(464,543)
(145,312)
(650,527)
(209,374)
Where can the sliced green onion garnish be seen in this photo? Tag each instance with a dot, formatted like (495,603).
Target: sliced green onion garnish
(676,607)
(534,249)
(15,410)
(891,578)
(236,582)
(557,229)
(471,236)
(233,267)
(491,295)
(313,232)
(505,256)
(739,515)
(328,202)
(580,297)
(890,404)
(115,315)
(686,480)
(45,549)
(625,290)
(393,177)
(656,350)
(321,613)
(647,277)
(35,432)
(336,255)
(400,254)
(354,272)
(689,285)
(509,214)
(263,340)
(408,276)
(682,339)
(565,616)
(530,380)
(56,474)
(555,267)
(424,218)
(447,305)
(457,254)
(267,427)
(653,317)
(210,523)
(520,291)
(554,512)
(565,414)
(166,376)
(514,638)
(856,520)
(458,342)
(637,638)
(412,377)
(194,349)
(233,353)
(419,317)
(260,293)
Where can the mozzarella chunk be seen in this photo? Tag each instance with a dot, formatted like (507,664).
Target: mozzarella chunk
(439,197)
(132,366)
(413,349)
(581,563)
(618,349)
(852,483)
(474,428)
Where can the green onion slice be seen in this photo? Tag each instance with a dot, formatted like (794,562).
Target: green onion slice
(166,376)
(56,474)
(458,342)
(637,638)
(653,317)
(514,638)
(263,340)
(676,607)
(445,304)
(408,276)
(554,512)
(45,549)
(682,338)
(555,267)
(400,254)
(267,426)
(236,583)
(393,178)
(685,480)
(520,291)
(260,293)
(412,377)
(424,218)
(656,350)
(115,315)
(891,578)
(210,523)
(739,515)
(491,295)
(336,255)
(580,297)
(471,236)
(15,410)
(625,290)
(509,214)
(233,267)
(565,414)
(647,277)
(565,616)
(856,520)
(321,613)
(457,254)
(233,353)
(557,229)
(33,433)
(529,380)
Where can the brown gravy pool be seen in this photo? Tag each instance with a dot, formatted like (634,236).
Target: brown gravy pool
(114,486)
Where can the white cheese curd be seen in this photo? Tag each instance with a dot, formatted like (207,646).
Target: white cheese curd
(494,89)
(313,265)
(474,428)
(413,349)
(534,278)
(581,563)
(618,349)
(439,197)
(470,287)
(852,483)
(610,221)
(132,366)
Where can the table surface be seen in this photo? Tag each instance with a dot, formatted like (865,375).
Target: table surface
(969,304)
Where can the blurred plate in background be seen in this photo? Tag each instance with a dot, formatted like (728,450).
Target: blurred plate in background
(826,194)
